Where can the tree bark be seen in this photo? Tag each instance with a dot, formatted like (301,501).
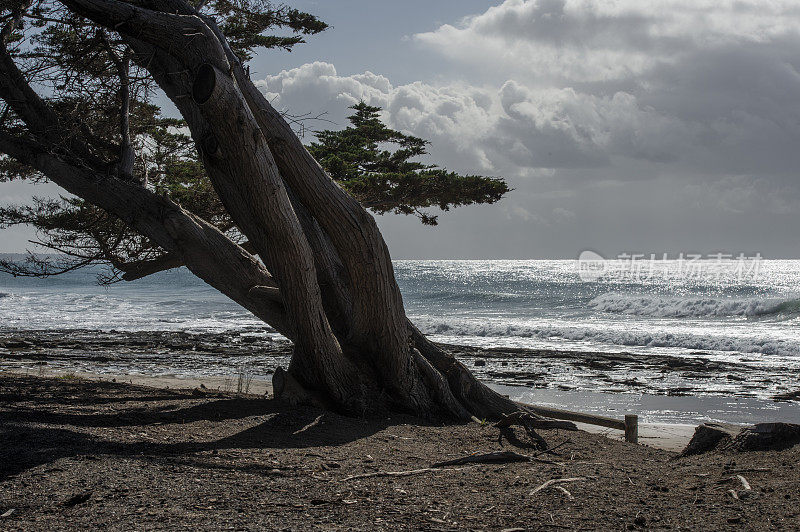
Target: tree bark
(328,284)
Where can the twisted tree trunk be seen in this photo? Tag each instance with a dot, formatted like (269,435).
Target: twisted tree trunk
(327,282)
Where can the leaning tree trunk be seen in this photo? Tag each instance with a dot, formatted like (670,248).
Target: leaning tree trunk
(329,284)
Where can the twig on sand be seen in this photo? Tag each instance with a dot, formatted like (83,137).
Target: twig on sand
(501,457)
(407,473)
(310,425)
(555,481)
(563,490)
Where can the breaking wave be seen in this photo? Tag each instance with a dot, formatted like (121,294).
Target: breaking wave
(674,307)
(765,344)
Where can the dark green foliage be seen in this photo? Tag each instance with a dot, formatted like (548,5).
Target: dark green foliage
(245,21)
(77,66)
(102,98)
(374,163)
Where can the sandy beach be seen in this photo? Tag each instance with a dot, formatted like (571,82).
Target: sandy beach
(667,436)
(83,453)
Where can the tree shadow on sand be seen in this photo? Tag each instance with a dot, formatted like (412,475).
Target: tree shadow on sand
(35,434)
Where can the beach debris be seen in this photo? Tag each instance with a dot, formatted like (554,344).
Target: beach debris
(78,498)
(8,513)
(314,423)
(745,484)
(748,470)
(499,457)
(759,437)
(563,490)
(554,481)
(709,436)
(406,473)
(530,422)
(746,490)
(767,437)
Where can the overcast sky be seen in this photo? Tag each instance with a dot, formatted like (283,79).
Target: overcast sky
(623,126)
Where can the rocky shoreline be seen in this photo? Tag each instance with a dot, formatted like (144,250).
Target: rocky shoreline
(225,354)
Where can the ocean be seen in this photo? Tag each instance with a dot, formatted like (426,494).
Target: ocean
(725,331)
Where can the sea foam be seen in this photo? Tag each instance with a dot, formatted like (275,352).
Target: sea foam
(681,307)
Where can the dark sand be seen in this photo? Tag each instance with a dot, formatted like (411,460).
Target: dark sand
(83,454)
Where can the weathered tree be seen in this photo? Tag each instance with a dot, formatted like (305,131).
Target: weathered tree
(279,236)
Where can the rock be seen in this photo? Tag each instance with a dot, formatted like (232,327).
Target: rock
(710,436)
(78,498)
(788,396)
(767,437)
(760,437)
(480,362)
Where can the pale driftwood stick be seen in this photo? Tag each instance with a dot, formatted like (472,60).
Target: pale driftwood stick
(310,425)
(745,484)
(563,490)
(555,481)
(397,473)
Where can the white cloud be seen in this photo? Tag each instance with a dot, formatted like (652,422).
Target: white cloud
(584,40)
(511,129)
(616,121)
(710,87)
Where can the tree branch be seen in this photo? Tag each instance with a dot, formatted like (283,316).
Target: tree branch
(39,118)
(156,28)
(127,155)
(17,13)
(140,269)
(206,251)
